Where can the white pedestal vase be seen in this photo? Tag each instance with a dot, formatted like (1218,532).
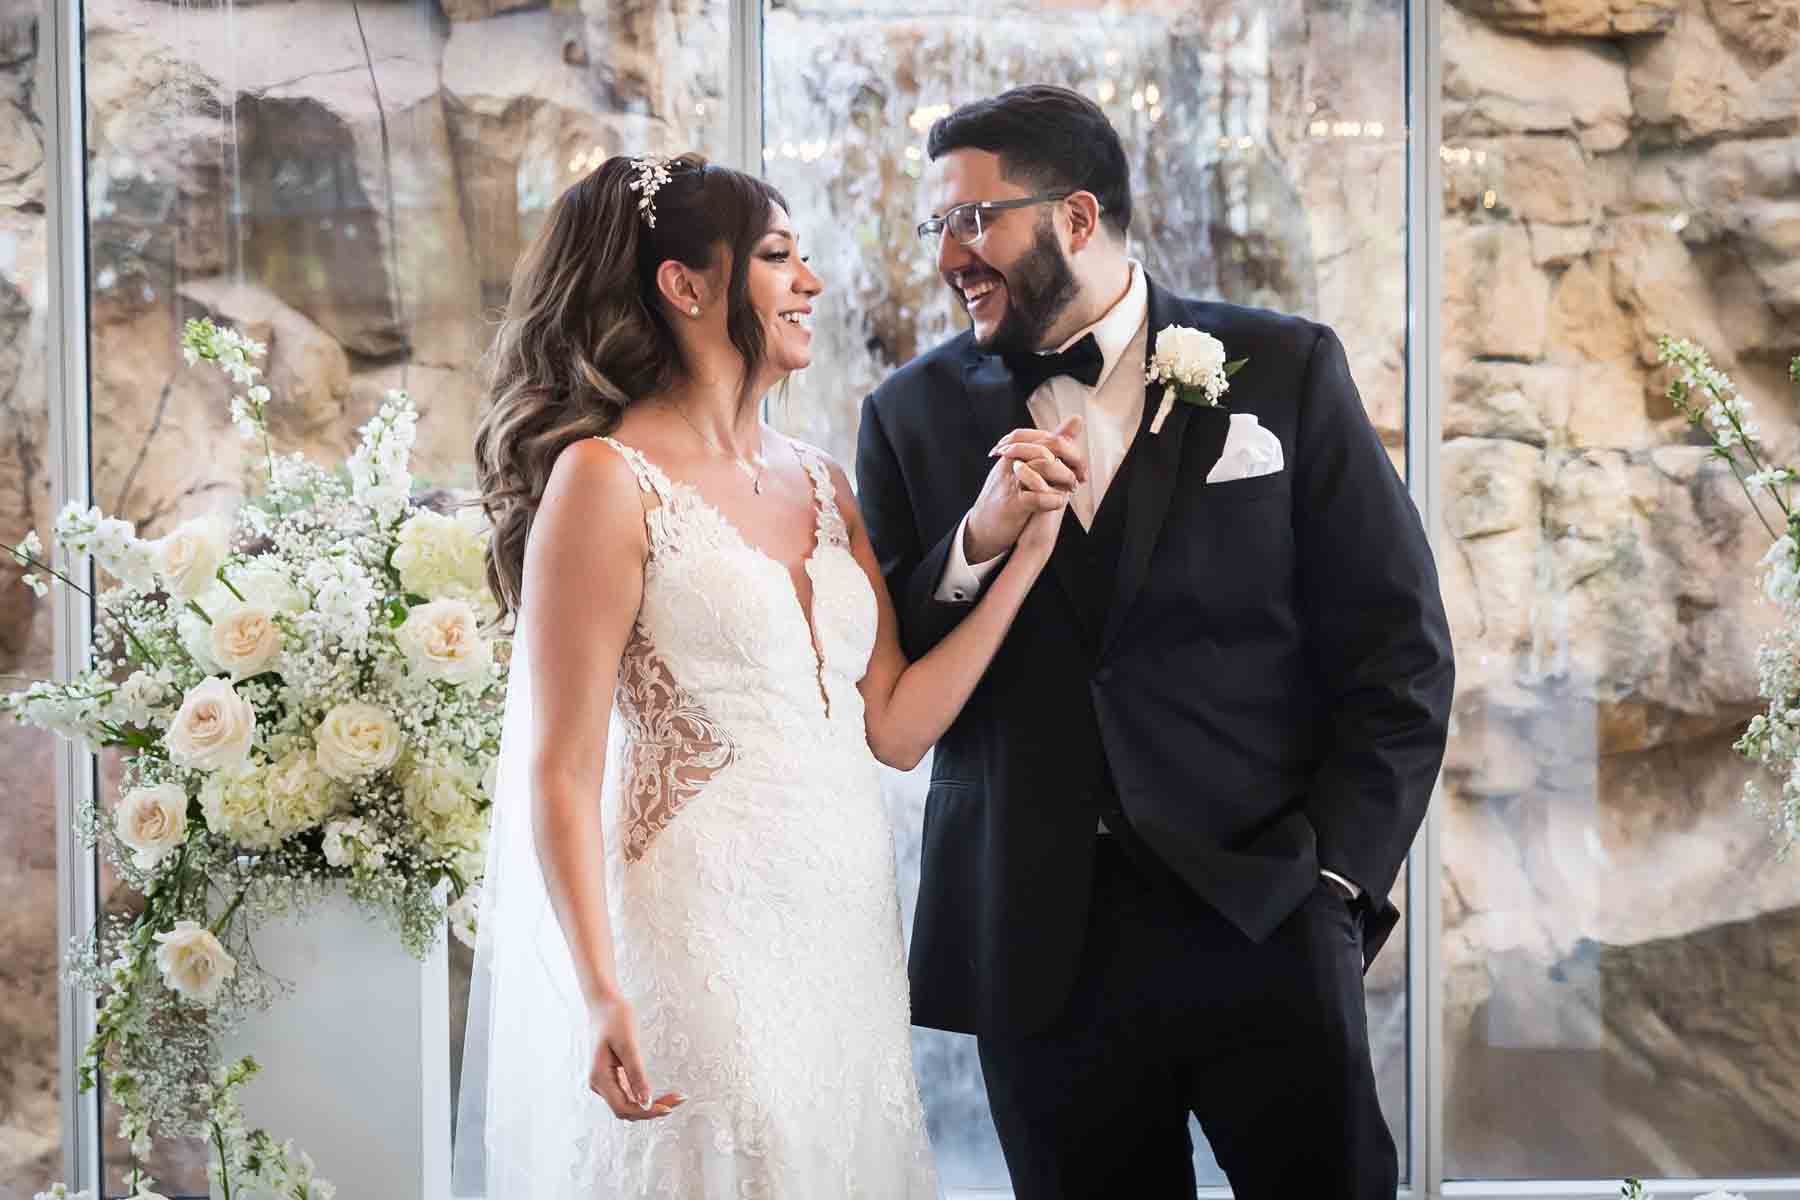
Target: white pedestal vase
(356,1060)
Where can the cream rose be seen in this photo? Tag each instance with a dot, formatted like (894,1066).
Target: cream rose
(152,821)
(193,962)
(190,557)
(442,640)
(213,729)
(244,640)
(355,740)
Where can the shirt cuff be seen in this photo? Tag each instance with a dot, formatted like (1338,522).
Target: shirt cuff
(1355,892)
(962,580)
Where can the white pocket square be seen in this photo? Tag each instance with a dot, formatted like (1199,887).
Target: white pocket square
(1250,450)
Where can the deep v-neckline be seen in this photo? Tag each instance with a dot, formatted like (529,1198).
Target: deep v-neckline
(805,610)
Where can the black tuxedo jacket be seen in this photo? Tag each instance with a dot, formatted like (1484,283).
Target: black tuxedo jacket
(1268,693)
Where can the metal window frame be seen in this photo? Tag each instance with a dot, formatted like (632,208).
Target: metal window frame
(66,359)
(72,614)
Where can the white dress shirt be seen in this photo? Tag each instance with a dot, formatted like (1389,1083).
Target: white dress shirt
(1111,410)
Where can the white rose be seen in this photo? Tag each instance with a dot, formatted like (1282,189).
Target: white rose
(442,640)
(356,739)
(244,640)
(213,728)
(193,962)
(297,795)
(152,821)
(190,557)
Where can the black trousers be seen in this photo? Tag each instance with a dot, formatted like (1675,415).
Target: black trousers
(1175,1011)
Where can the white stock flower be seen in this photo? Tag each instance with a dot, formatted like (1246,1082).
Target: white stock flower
(213,729)
(244,640)
(297,795)
(442,640)
(442,557)
(193,963)
(343,592)
(189,557)
(356,739)
(152,821)
(267,585)
(138,697)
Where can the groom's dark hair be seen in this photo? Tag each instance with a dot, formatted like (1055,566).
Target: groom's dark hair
(1048,138)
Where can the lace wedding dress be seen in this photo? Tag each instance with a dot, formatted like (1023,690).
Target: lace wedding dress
(751,875)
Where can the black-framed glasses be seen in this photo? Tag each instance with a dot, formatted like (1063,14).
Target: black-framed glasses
(966,221)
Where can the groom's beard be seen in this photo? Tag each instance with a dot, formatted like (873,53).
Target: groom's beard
(1038,288)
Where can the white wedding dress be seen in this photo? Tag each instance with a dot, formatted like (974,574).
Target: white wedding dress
(755,918)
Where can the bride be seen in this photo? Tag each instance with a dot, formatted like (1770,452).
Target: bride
(690,977)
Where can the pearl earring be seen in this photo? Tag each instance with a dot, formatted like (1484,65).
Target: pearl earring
(693,310)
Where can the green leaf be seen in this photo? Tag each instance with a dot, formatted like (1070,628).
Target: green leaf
(1233,367)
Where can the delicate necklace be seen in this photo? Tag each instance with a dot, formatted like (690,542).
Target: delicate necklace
(752,467)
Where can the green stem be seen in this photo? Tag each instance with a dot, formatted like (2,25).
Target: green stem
(228,587)
(224,1171)
(53,572)
(230,910)
(195,605)
(1748,495)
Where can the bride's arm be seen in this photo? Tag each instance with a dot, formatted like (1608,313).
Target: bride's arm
(583,583)
(908,706)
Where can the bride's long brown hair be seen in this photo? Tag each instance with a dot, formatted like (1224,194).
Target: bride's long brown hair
(585,335)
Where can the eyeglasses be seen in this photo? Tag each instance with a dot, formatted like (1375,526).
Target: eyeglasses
(965,222)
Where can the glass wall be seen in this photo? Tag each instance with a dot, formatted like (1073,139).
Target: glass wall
(30,1111)
(1268,158)
(350,184)
(1618,937)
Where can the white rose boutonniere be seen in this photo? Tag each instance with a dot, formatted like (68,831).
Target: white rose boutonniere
(1191,365)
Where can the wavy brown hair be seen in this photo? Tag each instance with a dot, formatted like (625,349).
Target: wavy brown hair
(586,336)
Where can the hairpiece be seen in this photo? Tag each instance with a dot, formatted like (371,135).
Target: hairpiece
(652,173)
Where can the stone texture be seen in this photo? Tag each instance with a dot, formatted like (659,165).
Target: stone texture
(1495,297)
(1692,84)
(305,369)
(1543,180)
(1586,321)
(1762,32)
(1591,18)
(1512,401)
(1486,93)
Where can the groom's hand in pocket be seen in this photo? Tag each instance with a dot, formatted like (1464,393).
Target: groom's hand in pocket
(1034,472)
(617,1075)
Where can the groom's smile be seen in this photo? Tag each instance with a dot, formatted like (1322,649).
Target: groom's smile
(1010,274)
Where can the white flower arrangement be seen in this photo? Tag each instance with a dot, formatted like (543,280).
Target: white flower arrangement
(305,698)
(1710,401)
(1190,364)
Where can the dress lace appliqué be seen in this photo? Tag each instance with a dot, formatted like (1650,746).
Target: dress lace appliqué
(672,746)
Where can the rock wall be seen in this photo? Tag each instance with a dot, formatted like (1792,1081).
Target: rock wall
(1614,918)
(353,182)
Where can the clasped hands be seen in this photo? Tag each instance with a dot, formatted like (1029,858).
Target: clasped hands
(1035,473)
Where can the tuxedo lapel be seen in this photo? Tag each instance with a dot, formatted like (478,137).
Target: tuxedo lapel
(999,408)
(1157,468)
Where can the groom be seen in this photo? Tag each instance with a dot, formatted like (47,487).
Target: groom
(1159,840)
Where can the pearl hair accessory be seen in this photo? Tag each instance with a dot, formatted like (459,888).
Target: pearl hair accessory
(652,173)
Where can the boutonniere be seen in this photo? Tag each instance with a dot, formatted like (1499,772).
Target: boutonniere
(1191,365)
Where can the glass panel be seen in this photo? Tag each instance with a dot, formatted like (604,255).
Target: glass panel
(1616,927)
(350,183)
(30,1107)
(1268,160)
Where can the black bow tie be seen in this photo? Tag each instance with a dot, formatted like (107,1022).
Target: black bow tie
(1082,361)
